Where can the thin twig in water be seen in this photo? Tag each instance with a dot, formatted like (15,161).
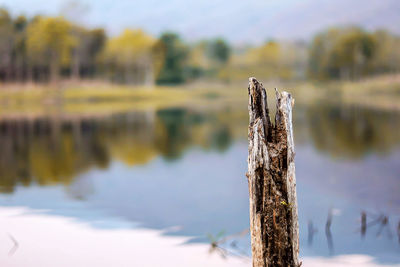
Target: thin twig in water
(215,244)
(384,223)
(363,224)
(328,231)
(15,247)
(311,231)
(398,231)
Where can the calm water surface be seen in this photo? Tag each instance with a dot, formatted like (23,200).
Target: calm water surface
(177,175)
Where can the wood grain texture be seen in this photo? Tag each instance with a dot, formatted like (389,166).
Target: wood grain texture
(272,182)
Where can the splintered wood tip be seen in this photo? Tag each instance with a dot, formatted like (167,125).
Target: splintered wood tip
(253,80)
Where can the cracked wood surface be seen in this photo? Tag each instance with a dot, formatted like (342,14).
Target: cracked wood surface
(272,182)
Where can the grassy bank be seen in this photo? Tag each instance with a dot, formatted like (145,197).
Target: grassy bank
(99,98)
(95,99)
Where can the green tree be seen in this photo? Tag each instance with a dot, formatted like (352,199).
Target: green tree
(19,49)
(49,42)
(7,40)
(267,61)
(387,56)
(218,51)
(175,54)
(197,63)
(206,58)
(265,55)
(84,54)
(346,53)
(352,54)
(130,54)
(95,46)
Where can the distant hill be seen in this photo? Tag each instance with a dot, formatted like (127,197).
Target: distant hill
(240,21)
(255,21)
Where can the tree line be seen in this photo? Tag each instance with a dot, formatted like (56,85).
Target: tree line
(47,49)
(43,49)
(352,53)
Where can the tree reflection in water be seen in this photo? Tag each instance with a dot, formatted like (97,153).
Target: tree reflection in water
(49,151)
(350,131)
(54,150)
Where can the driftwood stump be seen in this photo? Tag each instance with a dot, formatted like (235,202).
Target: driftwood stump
(272,182)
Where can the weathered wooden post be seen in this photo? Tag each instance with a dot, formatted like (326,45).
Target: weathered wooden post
(272,182)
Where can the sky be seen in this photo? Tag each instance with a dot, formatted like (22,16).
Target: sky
(250,21)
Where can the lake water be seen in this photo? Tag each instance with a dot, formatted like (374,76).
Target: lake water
(157,187)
